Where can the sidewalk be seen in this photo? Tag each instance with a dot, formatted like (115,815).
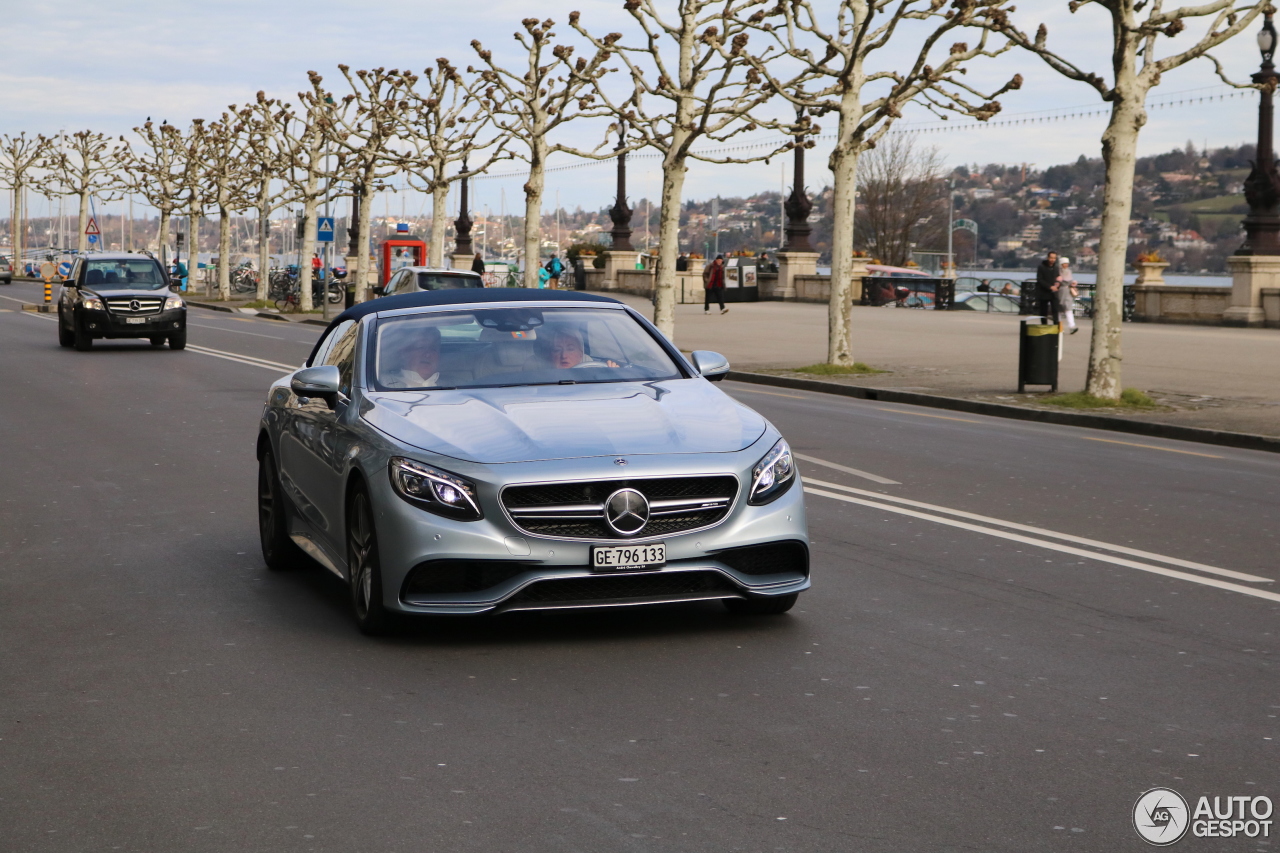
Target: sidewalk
(1203,376)
(237,305)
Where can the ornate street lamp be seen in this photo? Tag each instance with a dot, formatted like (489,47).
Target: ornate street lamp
(1262,187)
(798,206)
(462,225)
(620,213)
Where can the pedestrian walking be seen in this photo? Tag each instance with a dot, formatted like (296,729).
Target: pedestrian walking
(713,281)
(1047,287)
(1067,293)
(477,263)
(554,268)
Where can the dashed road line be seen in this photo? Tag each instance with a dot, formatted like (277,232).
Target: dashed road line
(1153,447)
(875,478)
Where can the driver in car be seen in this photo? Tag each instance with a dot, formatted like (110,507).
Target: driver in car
(413,359)
(568,351)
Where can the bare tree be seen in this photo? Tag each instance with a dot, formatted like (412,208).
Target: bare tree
(84,165)
(226,179)
(155,172)
(833,50)
(18,157)
(364,126)
(530,105)
(303,145)
(1136,28)
(265,122)
(193,179)
(441,124)
(901,200)
(690,83)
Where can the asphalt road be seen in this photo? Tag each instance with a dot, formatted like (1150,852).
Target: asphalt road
(951,682)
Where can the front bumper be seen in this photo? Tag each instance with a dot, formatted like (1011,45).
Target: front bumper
(511,570)
(106,324)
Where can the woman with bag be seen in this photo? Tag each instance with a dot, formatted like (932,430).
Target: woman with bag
(713,281)
(1067,293)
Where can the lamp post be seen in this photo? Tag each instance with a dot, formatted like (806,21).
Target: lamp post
(798,205)
(462,225)
(1262,187)
(620,213)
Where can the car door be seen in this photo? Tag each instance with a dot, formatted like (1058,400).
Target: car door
(302,442)
(334,436)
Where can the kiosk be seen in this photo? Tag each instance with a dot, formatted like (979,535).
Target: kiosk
(397,254)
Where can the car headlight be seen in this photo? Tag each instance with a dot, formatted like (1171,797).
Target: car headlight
(435,490)
(91,302)
(772,475)
(173,302)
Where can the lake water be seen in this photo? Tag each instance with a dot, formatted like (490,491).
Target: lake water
(1088,277)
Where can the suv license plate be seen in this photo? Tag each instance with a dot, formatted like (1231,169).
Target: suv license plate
(627,558)
(135,319)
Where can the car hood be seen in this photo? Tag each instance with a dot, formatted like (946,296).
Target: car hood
(116,292)
(541,422)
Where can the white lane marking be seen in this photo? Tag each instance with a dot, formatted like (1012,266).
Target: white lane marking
(23,301)
(875,478)
(1054,546)
(1040,531)
(244,359)
(242,332)
(1152,447)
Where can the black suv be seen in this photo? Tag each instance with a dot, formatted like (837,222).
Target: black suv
(119,295)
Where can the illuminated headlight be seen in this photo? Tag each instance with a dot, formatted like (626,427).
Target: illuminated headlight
(173,302)
(91,302)
(435,490)
(772,475)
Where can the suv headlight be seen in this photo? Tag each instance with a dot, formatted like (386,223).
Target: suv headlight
(435,490)
(173,302)
(91,302)
(772,475)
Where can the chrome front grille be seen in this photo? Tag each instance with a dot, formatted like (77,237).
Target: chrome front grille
(577,510)
(135,306)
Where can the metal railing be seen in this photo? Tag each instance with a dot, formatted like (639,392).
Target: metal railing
(908,292)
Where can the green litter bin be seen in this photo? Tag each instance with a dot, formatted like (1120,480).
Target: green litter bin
(1038,344)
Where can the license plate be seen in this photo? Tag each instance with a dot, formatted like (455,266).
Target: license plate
(135,319)
(627,558)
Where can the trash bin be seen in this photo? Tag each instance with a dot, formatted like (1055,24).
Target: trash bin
(579,275)
(1038,343)
(1027,298)
(350,299)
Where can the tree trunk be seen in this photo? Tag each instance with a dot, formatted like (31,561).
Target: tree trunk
(533,190)
(82,244)
(264,238)
(15,229)
(439,216)
(1119,155)
(224,252)
(309,208)
(193,239)
(362,239)
(664,283)
(162,239)
(844,168)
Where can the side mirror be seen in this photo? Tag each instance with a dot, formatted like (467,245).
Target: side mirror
(711,365)
(322,382)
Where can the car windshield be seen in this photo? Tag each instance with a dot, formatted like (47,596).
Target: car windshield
(133,273)
(445,281)
(490,347)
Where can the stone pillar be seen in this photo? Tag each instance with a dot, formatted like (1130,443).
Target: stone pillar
(790,265)
(459,261)
(1249,275)
(1151,272)
(615,260)
(857,271)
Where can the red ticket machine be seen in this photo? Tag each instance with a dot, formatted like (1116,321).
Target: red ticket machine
(397,254)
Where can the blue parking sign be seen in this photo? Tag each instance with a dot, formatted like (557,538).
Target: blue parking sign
(324,229)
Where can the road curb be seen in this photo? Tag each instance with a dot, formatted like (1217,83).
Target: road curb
(223,308)
(1243,440)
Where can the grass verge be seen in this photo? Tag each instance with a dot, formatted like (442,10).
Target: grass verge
(1130,398)
(855,369)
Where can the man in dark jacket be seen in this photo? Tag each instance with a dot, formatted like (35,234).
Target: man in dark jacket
(713,281)
(1047,287)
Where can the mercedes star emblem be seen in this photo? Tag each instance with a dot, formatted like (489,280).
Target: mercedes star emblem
(619,462)
(135,305)
(627,512)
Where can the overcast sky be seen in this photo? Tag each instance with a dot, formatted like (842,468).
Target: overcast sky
(72,64)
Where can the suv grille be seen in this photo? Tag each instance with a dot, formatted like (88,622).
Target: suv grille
(124,305)
(608,587)
(577,510)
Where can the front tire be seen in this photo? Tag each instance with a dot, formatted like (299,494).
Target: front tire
(80,336)
(364,568)
(761,606)
(66,337)
(278,551)
(178,340)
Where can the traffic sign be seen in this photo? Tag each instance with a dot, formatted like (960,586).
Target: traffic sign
(92,228)
(324,229)
(93,238)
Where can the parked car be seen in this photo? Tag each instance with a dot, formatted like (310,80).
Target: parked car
(119,295)
(6,270)
(472,451)
(992,303)
(413,279)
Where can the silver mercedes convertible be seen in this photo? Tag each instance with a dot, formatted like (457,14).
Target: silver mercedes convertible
(474,451)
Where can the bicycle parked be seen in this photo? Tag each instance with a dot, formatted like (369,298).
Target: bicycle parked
(244,279)
(289,294)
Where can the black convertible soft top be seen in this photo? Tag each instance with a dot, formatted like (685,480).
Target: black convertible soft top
(459,296)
